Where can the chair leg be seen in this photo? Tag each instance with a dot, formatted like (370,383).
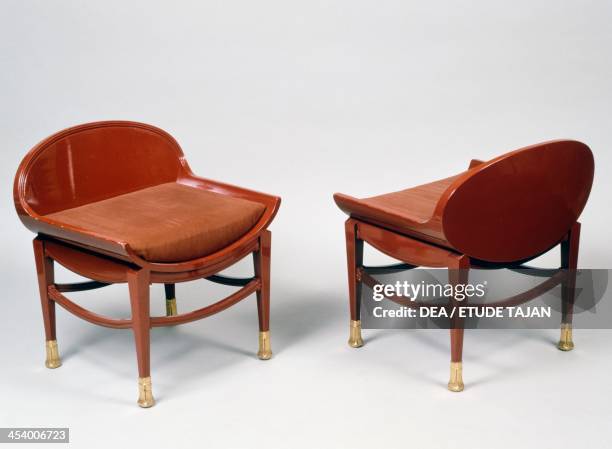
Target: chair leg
(45,274)
(138,283)
(569,261)
(455,382)
(458,274)
(261,262)
(170,300)
(354,259)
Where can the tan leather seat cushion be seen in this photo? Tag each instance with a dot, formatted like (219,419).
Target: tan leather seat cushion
(169,222)
(412,211)
(417,203)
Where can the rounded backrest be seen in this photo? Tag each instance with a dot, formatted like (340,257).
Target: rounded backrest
(95,161)
(518,205)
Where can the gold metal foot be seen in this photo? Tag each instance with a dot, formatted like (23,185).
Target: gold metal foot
(456,377)
(53,358)
(171,307)
(565,342)
(265,349)
(355,340)
(145,392)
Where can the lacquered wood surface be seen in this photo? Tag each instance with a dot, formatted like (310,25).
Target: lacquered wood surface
(138,284)
(569,260)
(85,314)
(87,263)
(510,208)
(252,287)
(100,160)
(96,161)
(354,260)
(519,204)
(261,263)
(45,274)
(496,214)
(404,248)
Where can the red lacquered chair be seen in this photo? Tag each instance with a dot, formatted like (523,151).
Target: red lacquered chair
(116,202)
(498,213)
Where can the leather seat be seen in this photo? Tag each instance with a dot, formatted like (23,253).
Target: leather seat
(497,214)
(417,204)
(116,202)
(168,222)
(508,209)
(410,210)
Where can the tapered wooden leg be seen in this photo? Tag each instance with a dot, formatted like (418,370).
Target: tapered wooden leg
(138,283)
(569,262)
(458,274)
(261,262)
(170,300)
(45,274)
(455,382)
(354,260)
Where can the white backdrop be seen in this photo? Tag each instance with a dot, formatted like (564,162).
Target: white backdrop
(302,99)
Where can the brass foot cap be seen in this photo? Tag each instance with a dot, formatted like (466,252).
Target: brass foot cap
(565,342)
(145,392)
(355,340)
(171,307)
(265,349)
(456,377)
(53,359)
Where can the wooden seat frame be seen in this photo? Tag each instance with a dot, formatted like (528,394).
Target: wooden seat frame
(396,241)
(106,261)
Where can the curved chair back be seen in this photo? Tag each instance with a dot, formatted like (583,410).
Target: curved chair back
(520,204)
(95,161)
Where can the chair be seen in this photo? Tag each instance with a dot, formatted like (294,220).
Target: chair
(499,213)
(116,202)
